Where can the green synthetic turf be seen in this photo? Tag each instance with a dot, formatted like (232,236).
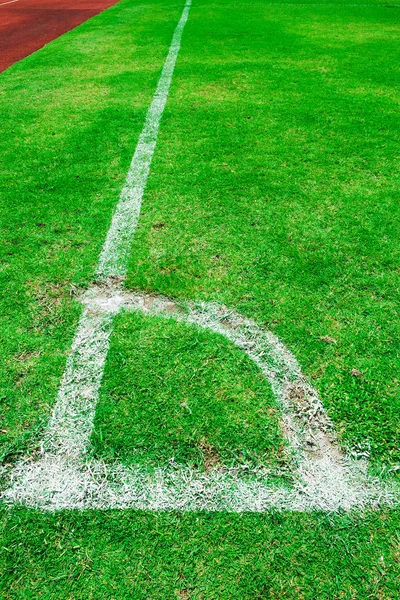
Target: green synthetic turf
(273,190)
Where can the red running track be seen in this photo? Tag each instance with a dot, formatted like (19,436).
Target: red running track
(27,25)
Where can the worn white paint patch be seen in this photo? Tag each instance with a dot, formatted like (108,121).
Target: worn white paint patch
(115,254)
(57,483)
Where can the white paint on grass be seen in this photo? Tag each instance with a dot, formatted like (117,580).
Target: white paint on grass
(57,483)
(72,420)
(66,478)
(305,422)
(115,254)
(63,479)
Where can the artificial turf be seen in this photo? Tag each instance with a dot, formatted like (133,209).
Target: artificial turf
(274,189)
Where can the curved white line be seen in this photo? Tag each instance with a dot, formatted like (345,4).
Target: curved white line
(323,480)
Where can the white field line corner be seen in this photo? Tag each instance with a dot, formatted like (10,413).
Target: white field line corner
(324,480)
(64,478)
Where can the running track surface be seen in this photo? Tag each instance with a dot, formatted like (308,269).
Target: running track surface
(27,25)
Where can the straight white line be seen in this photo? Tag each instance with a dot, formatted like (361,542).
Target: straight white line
(114,257)
(71,423)
(10,2)
(53,483)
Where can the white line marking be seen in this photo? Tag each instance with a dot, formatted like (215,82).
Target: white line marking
(10,2)
(71,423)
(72,418)
(115,254)
(307,428)
(54,483)
(305,421)
(64,479)
(323,479)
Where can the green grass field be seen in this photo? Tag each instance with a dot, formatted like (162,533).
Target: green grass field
(274,190)
(213,404)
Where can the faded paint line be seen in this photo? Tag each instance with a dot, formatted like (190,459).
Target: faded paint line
(323,479)
(72,419)
(115,253)
(57,483)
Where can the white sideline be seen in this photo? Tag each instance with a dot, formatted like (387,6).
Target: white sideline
(9,2)
(72,419)
(115,254)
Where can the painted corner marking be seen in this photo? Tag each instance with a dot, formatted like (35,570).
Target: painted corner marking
(65,478)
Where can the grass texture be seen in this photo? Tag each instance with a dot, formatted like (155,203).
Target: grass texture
(71,115)
(274,190)
(184,395)
(114,555)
